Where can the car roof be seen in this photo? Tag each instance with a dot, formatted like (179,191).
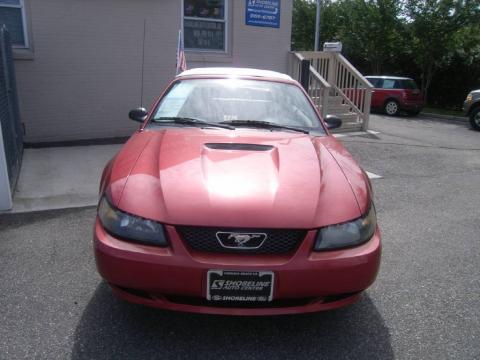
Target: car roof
(387,77)
(230,71)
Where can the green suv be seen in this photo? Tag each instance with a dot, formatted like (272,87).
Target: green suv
(471,108)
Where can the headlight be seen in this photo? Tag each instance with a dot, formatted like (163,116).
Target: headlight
(469,97)
(130,227)
(351,233)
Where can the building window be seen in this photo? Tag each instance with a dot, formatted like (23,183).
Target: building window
(12,14)
(205,25)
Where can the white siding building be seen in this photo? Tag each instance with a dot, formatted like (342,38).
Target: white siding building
(79,62)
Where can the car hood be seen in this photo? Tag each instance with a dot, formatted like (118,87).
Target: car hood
(242,178)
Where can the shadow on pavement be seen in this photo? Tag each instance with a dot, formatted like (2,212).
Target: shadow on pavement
(112,328)
(15,220)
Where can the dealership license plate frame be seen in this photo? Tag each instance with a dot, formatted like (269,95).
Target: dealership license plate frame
(239,275)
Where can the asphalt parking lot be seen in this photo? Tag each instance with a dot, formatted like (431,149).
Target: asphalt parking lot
(424,305)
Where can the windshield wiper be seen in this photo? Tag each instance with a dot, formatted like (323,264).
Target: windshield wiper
(190,121)
(264,124)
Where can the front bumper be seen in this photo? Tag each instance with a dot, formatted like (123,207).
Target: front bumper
(175,278)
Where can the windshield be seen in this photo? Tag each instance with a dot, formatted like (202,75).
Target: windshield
(227,100)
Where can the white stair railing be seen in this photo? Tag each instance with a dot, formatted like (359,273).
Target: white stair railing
(318,88)
(345,81)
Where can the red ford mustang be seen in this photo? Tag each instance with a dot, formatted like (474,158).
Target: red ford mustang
(233,198)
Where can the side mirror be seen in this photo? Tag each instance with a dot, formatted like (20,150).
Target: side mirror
(333,122)
(138,114)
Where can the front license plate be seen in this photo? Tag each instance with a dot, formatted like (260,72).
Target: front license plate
(244,286)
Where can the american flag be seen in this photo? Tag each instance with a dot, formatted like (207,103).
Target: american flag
(181,60)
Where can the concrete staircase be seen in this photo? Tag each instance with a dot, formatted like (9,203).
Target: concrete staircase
(337,107)
(350,119)
(335,86)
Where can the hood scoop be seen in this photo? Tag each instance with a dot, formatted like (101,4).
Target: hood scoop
(247,175)
(238,146)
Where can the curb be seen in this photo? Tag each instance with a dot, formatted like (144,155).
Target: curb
(445,117)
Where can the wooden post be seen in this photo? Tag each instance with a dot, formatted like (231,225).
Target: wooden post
(366,108)
(332,69)
(305,74)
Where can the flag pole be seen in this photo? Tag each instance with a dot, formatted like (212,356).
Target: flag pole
(177,70)
(181,60)
(143,59)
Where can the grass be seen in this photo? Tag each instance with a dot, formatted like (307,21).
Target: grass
(440,111)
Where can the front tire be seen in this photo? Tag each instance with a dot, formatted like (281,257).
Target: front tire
(475,118)
(391,108)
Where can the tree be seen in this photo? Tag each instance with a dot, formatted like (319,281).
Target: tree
(303,23)
(433,26)
(303,29)
(429,40)
(370,31)
(367,28)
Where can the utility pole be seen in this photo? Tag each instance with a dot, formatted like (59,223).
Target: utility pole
(317,26)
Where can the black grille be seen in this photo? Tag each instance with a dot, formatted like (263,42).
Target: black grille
(278,241)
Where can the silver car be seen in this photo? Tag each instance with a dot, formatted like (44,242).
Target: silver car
(471,108)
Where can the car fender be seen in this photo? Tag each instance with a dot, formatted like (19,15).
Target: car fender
(473,106)
(118,170)
(392,97)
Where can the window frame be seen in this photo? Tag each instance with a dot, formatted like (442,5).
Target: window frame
(225,21)
(26,37)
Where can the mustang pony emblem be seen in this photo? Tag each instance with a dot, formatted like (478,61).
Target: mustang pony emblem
(242,239)
(238,240)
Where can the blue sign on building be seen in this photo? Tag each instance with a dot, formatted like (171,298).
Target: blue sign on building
(263,13)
